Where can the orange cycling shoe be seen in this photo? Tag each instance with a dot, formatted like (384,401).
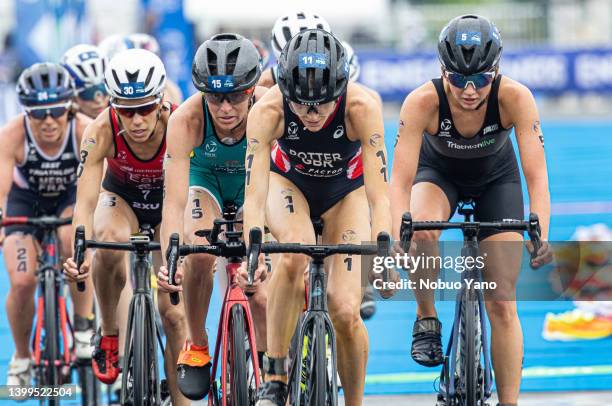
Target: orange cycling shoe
(193,371)
(105,358)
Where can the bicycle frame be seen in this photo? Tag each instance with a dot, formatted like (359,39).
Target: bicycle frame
(469,294)
(233,296)
(142,288)
(49,262)
(141,245)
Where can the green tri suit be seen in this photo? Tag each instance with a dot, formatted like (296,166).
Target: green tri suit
(218,167)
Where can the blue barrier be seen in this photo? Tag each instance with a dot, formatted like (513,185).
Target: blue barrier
(547,71)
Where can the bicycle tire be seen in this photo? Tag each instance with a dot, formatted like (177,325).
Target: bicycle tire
(140,350)
(237,357)
(318,395)
(51,329)
(469,351)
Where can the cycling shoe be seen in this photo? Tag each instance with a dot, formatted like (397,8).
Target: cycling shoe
(273,393)
(193,371)
(427,342)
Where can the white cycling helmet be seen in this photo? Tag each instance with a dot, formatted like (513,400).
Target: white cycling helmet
(114,44)
(135,74)
(287,26)
(86,65)
(144,41)
(353,60)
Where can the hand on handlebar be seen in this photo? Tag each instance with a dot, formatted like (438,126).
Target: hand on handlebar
(261,273)
(162,279)
(75,274)
(543,256)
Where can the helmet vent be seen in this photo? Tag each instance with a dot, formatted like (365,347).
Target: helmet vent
(45,80)
(301,16)
(286,33)
(468,54)
(230,63)
(212,61)
(31,83)
(149,76)
(80,68)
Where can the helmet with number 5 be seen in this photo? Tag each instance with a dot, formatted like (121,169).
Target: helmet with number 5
(135,74)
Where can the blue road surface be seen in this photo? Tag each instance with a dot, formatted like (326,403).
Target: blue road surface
(580,170)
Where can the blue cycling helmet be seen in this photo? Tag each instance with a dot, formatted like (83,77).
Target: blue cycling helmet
(45,83)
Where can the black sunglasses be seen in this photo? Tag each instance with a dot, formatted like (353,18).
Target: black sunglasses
(40,113)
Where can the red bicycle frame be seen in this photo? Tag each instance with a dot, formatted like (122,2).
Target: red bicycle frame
(233,295)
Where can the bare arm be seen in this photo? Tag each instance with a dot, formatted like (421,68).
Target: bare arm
(95,146)
(9,140)
(184,126)
(414,116)
(263,127)
(518,101)
(366,121)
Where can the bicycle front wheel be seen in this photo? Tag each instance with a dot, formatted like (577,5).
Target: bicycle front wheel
(470,346)
(237,358)
(140,359)
(51,330)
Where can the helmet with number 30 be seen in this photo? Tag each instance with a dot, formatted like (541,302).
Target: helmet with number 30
(135,74)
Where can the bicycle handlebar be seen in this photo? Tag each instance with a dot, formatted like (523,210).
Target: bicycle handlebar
(81,245)
(532,227)
(41,222)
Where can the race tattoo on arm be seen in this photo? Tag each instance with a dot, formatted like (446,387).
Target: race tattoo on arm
(249,160)
(383,169)
(376,140)
(88,145)
(538,131)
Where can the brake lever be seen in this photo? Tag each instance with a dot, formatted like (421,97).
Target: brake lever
(253,252)
(79,252)
(172,260)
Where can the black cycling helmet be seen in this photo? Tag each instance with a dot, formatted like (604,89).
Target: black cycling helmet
(44,83)
(226,63)
(469,44)
(313,68)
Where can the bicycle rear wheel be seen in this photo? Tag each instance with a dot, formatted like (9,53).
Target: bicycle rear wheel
(237,358)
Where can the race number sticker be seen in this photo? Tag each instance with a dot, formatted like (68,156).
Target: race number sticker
(312,60)
(468,38)
(132,89)
(221,83)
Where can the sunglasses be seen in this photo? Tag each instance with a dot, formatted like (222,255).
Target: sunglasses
(324,109)
(40,113)
(141,109)
(478,80)
(93,92)
(232,98)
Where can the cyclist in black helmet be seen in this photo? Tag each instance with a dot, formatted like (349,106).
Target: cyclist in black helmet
(460,124)
(316,149)
(204,169)
(38,167)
